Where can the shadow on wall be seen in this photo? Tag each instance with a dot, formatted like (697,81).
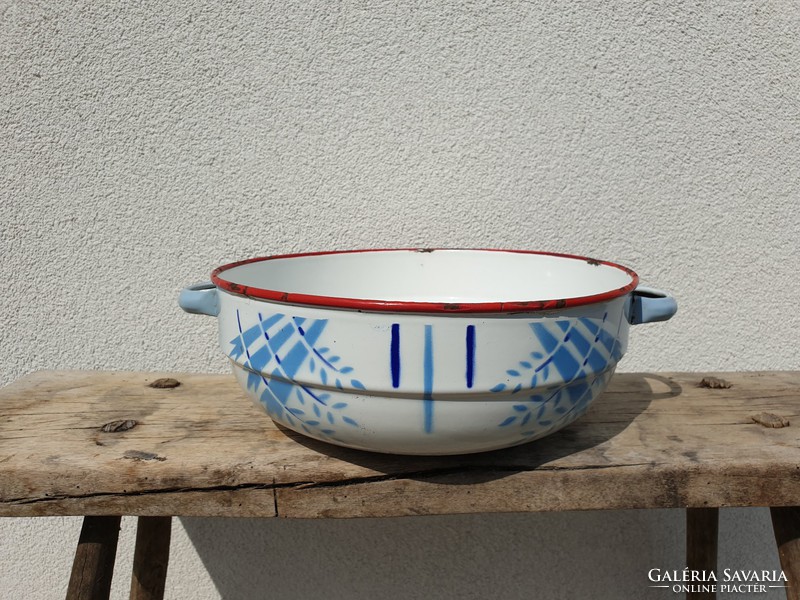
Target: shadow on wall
(509,556)
(600,555)
(482,556)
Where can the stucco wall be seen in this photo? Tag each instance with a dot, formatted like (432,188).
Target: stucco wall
(142,146)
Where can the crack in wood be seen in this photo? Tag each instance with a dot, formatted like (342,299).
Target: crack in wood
(446,471)
(177,490)
(304,485)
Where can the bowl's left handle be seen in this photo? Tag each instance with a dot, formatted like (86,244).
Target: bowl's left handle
(200,299)
(651,305)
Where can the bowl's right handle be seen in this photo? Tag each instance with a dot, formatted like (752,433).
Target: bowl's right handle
(650,305)
(200,299)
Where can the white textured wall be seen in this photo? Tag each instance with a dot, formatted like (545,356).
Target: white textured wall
(140,147)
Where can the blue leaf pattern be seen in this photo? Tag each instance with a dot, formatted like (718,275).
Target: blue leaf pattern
(293,377)
(278,349)
(583,352)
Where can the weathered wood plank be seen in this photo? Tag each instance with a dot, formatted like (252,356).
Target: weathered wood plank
(702,529)
(93,565)
(786,526)
(652,440)
(151,558)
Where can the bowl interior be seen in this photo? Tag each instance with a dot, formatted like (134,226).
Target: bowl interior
(462,276)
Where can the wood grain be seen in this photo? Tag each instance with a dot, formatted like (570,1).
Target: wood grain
(786,526)
(93,565)
(202,449)
(151,558)
(702,529)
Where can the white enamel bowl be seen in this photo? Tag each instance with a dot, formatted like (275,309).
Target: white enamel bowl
(425,351)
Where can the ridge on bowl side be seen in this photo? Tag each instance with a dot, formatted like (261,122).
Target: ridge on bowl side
(412,384)
(424,381)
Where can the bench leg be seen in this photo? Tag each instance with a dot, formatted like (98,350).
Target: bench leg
(702,527)
(94,559)
(786,525)
(151,558)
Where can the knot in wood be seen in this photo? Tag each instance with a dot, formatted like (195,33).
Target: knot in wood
(117,426)
(715,383)
(165,383)
(770,420)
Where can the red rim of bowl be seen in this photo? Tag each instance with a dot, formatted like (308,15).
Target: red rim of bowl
(419,307)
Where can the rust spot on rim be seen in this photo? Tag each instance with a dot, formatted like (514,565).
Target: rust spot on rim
(367,304)
(238,289)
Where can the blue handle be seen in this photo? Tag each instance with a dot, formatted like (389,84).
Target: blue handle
(200,299)
(650,305)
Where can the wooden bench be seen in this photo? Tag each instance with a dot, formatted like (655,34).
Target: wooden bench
(106,444)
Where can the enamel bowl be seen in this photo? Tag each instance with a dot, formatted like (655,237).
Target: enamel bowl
(425,351)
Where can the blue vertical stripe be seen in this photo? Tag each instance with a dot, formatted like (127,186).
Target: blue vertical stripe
(395,355)
(470,355)
(428,379)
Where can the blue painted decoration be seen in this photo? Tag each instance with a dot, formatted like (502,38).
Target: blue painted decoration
(428,379)
(470,355)
(275,349)
(581,351)
(395,355)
